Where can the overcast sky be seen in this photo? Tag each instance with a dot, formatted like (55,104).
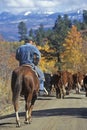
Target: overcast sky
(17,6)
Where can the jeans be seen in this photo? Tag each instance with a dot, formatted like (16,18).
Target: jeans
(41,85)
(40,73)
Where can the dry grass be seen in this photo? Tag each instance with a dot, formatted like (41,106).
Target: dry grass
(5,95)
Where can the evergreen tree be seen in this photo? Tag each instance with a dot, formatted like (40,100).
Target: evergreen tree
(31,34)
(40,35)
(79,25)
(60,30)
(85,16)
(22,30)
(61,27)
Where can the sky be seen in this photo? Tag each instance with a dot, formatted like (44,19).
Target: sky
(18,6)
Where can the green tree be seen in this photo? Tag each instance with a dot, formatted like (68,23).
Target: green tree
(40,35)
(62,26)
(22,30)
(31,33)
(85,16)
(79,25)
(57,37)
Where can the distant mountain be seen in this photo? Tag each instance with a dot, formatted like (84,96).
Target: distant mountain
(9,22)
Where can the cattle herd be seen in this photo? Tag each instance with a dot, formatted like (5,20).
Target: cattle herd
(64,81)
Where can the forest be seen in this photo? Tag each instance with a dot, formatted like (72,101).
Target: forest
(64,47)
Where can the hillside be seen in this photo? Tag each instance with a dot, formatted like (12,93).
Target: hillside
(9,22)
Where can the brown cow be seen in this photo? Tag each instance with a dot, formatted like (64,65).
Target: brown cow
(78,81)
(63,82)
(85,83)
(55,80)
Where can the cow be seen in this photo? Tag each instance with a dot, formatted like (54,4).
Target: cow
(63,82)
(85,83)
(78,81)
(47,82)
(55,81)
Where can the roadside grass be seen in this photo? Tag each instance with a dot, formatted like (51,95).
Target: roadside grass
(5,96)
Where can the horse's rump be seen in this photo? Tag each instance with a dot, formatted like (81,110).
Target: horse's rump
(24,80)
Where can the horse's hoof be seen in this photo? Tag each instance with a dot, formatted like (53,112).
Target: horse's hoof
(30,121)
(18,124)
(26,122)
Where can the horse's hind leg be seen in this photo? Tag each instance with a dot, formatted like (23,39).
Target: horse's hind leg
(15,96)
(31,106)
(15,103)
(28,99)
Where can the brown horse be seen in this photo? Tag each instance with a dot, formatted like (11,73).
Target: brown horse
(24,81)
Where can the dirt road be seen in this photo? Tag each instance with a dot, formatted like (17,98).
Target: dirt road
(52,114)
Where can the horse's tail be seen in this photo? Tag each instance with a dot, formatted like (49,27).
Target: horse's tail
(16,84)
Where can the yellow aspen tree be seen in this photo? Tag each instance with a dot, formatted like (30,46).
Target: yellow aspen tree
(46,65)
(73,56)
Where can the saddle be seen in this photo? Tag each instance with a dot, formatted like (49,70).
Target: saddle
(33,68)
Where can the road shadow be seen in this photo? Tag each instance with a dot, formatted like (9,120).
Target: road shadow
(44,98)
(72,97)
(7,116)
(76,112)
(7,123)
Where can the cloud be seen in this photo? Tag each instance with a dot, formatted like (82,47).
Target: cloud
(16,6)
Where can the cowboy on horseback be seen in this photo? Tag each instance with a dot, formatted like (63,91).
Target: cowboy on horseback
(28,54)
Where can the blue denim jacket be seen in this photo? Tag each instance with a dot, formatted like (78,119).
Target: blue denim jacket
(25,53)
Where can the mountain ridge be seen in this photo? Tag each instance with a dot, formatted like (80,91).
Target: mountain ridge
(9,22)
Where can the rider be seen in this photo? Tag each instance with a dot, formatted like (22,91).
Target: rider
(30,55)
